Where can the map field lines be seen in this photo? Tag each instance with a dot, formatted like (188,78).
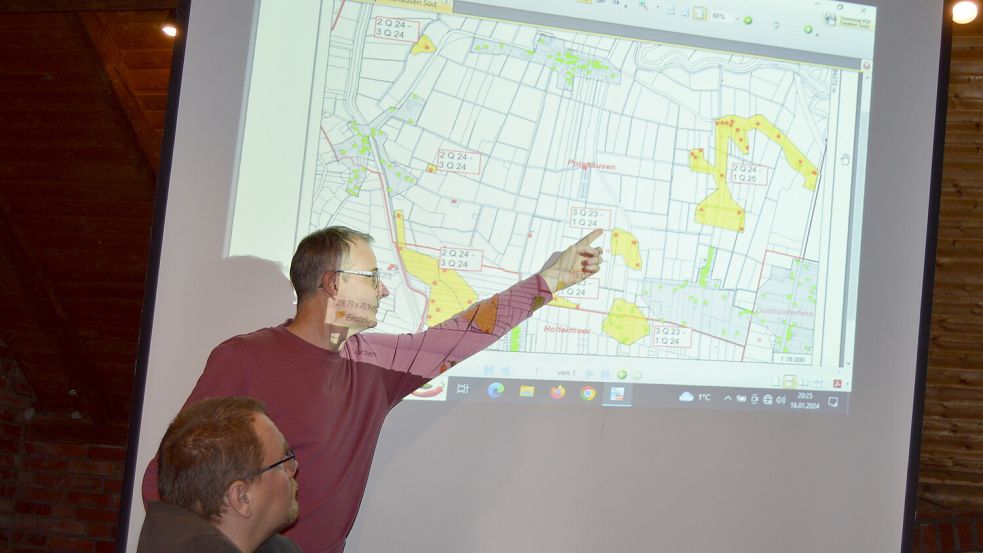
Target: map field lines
(472,148)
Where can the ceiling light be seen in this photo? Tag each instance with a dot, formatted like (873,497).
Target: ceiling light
(965,11)
(170,24)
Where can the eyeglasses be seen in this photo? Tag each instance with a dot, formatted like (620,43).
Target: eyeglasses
(290,457)
(373,274)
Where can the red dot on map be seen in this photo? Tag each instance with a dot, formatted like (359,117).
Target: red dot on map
(435,282)
(815,173)
(433,301)
(437,310)
(444,270)
(634,242)
(638,264)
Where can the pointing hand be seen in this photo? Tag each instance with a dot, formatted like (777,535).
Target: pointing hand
(574,264)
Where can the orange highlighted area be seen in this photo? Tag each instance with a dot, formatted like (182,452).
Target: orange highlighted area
(719,209)
(449,292)
(624,244)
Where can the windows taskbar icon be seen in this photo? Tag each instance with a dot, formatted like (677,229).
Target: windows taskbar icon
(496,390)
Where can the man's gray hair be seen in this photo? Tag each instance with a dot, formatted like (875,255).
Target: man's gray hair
(319,252)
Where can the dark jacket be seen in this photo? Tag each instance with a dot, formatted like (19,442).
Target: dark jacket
(172,529)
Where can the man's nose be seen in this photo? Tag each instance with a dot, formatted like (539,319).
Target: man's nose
(383,290)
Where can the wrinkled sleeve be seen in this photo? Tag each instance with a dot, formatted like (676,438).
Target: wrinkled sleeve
(222,377)
(427,354)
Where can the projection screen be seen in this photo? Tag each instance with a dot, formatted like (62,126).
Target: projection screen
(743,374)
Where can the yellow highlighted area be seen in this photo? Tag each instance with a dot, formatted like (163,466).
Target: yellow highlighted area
(560,301)
(625,244)
(625,322)
(449,293)
(424,46)
(719,208)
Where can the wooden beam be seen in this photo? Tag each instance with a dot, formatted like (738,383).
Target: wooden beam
(148,139)
(45,6)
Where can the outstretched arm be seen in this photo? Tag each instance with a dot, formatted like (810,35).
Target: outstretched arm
(435,350)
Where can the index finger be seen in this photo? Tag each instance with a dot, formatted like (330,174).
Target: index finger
(594,235)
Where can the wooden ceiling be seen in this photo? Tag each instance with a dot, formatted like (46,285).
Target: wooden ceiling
(83,90)
(951,468)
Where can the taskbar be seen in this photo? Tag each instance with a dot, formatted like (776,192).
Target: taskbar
(623,394)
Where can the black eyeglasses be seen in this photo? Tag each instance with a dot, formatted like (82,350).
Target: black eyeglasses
(373,274)
(290,457)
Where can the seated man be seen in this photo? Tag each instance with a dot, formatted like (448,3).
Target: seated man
(226,482)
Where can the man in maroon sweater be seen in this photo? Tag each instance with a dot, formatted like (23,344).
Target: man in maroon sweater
(329,387)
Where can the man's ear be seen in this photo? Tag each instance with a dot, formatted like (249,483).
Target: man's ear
(329,283)
(239,500)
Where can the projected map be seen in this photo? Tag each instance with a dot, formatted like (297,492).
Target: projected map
(473,148)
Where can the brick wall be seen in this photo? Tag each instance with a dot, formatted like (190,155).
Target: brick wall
(68,497)
(945,531)
(57,496)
